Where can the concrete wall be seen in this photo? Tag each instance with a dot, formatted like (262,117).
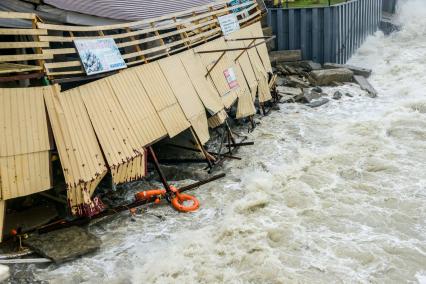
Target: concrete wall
(326,34)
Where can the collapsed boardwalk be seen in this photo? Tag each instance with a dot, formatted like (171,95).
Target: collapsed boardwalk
(106,125)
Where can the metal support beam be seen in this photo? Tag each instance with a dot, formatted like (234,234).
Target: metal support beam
(235,49)
(158,169)
(242,52)
(215,63)
(202,149)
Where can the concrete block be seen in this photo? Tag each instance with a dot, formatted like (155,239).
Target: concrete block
(329,76)
(289,91)
(366,86)
(285,56)
(64,245)
(357,70)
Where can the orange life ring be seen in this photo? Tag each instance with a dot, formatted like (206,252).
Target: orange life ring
(149,194)
(178,200)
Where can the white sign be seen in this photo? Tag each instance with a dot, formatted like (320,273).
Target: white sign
(229,24)
(99,55)
(231,78)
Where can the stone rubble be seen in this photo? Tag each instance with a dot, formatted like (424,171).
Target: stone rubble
(300,81)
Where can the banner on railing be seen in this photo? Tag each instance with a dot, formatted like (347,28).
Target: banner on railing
(99,55)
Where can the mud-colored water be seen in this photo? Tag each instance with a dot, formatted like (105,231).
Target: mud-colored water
(334,194)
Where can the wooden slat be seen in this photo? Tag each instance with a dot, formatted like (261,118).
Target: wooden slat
(216,75)
(65,73)
(23,44)
(24,149)
(164,47)
(25,174)
(162,98)
(23,32)
(81,157)
(50,66)
(18,77)
(62,64)
(137,106)
(256,30)
(114,36)
(195,70)
(6,68)
(218,119)
(16,15)
(24,57)
(58,51)
(23,121)
(154,57)
(208,26)
(186,95)
(123,151)
(2,216)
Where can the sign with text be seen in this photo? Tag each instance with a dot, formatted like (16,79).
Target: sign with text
(99,55)
(229,24)
(231,78)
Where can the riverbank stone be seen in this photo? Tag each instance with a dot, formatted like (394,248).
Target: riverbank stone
(337,95)
(317,89)
(318,103)
(310,95)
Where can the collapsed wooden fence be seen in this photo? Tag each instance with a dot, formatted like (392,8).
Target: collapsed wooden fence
(105,126)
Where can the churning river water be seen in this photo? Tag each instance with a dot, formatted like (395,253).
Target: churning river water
(333,194)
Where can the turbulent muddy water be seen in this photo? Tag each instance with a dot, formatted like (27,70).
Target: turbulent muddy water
(333,194)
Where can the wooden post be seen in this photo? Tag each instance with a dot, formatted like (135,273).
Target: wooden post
(231,136)
(183,35)
(253,124)
(37,39)
(2,217)
(161,39)
(200,30)
(137,47)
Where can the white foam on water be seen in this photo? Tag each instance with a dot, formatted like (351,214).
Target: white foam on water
(333,194)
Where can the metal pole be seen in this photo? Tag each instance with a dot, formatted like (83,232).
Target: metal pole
(158,169)
(202,149)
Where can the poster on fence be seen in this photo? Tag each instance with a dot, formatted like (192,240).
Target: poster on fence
(231,78)
(229,24)
(99,55)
